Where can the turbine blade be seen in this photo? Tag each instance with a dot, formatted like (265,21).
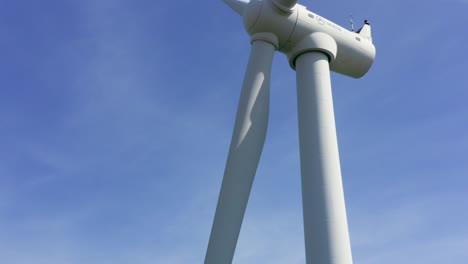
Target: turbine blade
(244,154)
(237,5)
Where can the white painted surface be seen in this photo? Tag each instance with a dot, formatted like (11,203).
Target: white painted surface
(285,5)
(237,5)
(314,46)
(244,153)
(355,53)
(325,224)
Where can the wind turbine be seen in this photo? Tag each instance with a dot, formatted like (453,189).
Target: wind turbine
(314,47)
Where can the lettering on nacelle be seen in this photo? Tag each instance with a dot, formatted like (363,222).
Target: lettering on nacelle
(321,21)
(334,26)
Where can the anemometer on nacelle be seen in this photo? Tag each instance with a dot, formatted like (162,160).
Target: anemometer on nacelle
(296,30)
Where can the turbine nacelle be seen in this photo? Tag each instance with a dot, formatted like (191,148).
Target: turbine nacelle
(299,30)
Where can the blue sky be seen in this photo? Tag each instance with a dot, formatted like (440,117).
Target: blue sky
(116,117)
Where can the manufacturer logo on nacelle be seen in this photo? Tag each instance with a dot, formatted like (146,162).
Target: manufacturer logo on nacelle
(320,20)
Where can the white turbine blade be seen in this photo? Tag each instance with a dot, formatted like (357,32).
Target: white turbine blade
(244,154)
(237,5)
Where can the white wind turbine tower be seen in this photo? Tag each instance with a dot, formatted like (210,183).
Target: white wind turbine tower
(314,46)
